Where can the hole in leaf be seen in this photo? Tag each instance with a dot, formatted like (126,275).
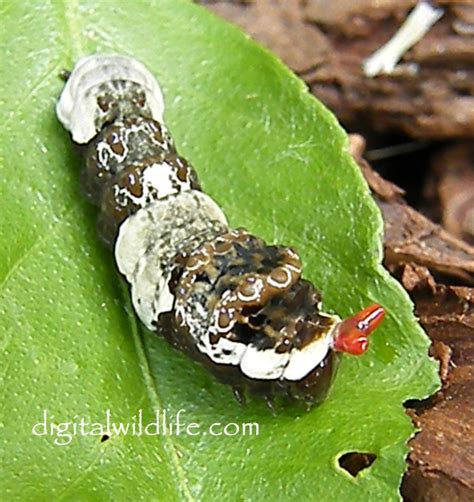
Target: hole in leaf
(354,461)
(421,405)
(104,438)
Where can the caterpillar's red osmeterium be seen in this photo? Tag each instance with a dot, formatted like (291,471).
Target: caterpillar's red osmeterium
(221,295)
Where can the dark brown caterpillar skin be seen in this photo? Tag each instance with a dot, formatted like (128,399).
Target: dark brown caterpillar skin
(224,297)
(298,306)
(117,157)
(99,183)
(122,143)
(312,389)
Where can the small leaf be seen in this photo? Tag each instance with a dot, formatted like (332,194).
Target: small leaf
(277,161)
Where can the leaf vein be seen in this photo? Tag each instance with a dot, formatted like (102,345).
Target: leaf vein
(71,18)
(36,86)
(154,397)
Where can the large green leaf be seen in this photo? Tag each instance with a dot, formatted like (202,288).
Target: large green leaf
(277,161)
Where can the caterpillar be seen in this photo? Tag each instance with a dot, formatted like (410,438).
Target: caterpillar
(223,296)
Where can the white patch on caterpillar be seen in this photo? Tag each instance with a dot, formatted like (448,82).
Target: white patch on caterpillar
(305,360)
(267,364)
(147,283)
(77,106)
(133,238)
(263,364)
(162,179)
(171,220)
(158,181)
(224,351)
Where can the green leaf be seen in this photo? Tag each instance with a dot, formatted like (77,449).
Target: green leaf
(277,161)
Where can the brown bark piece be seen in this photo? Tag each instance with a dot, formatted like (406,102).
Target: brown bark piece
(409,236)
(446,312)
(279,26)
(443,354)
(441,462)
(454,172)
(429,95)
(434,101)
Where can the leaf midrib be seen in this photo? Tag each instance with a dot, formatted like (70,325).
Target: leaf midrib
(70,8)
(152,390)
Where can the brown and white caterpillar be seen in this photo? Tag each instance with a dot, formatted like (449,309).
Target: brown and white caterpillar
(221,295)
